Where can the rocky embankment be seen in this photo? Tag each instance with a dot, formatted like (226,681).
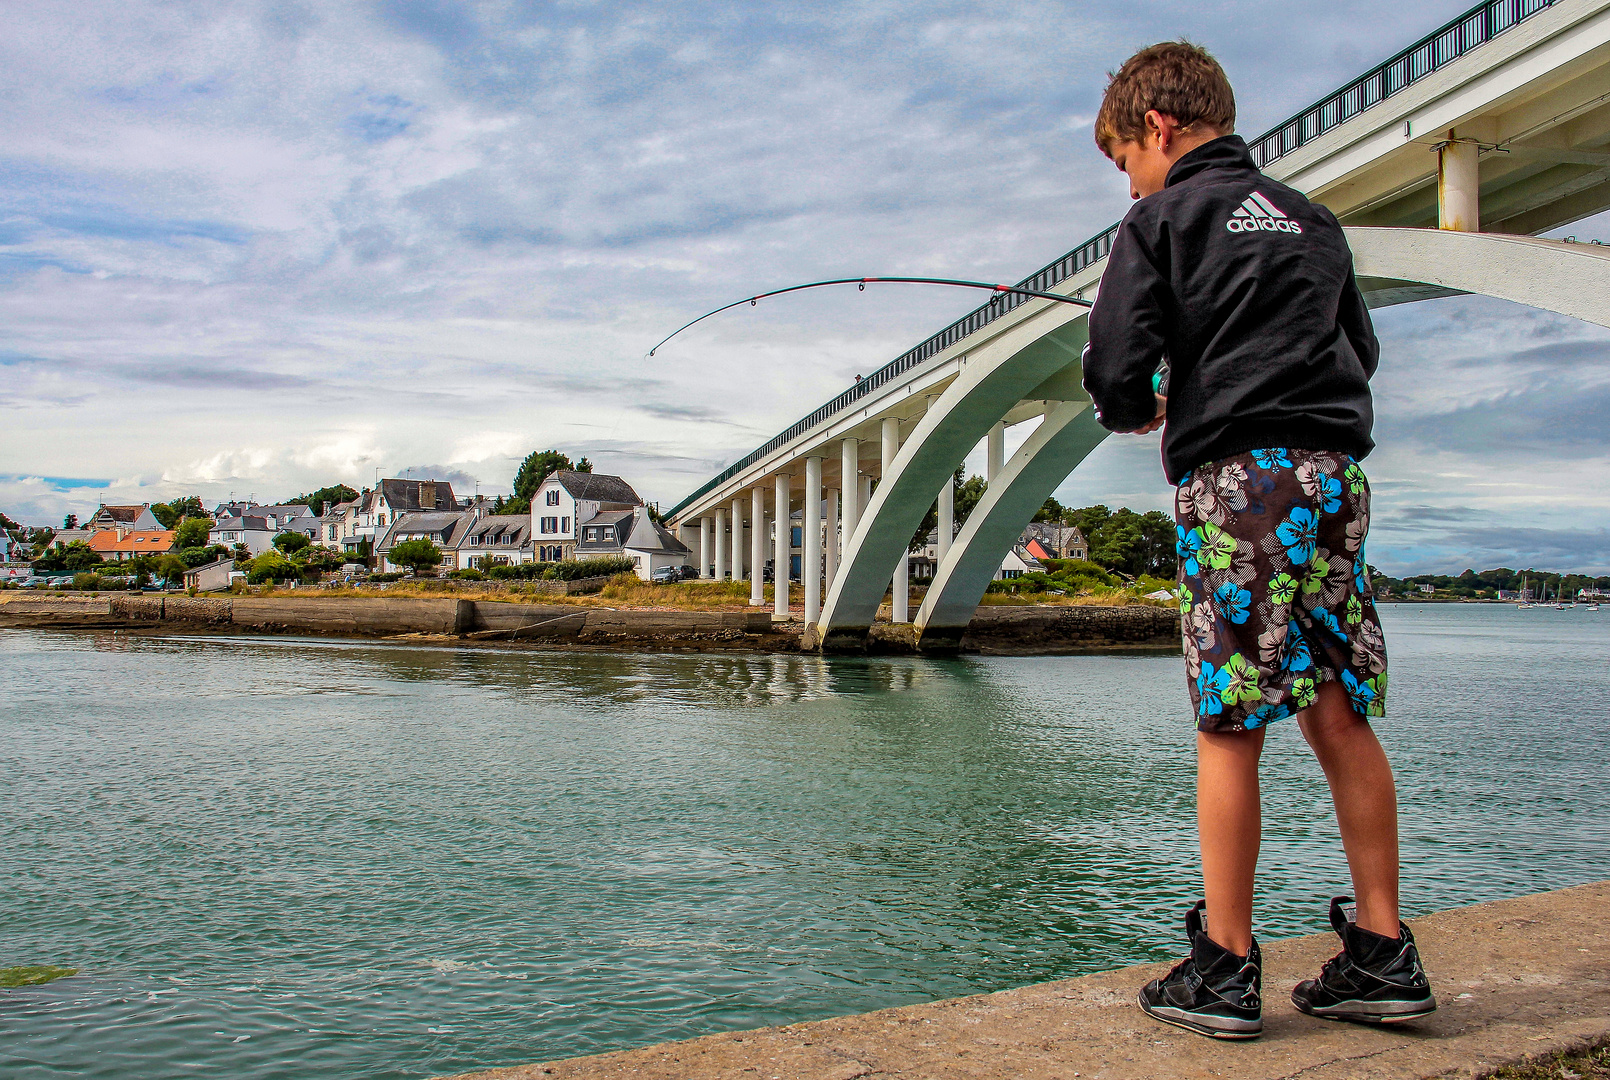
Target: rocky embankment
(1011,631)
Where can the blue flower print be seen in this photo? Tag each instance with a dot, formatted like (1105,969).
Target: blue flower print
(1267,714)
(1233,602)
(1210,686)
(1299,532)
(1271,459)
(1297,657)
(1328,621)
(1361,580)
(1186,545)
(1362,693)
(1330,490)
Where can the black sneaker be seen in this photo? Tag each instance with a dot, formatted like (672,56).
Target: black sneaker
(1373,980)
(1212,992)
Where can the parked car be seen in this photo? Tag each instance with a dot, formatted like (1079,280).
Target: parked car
(689,573)
(665,574)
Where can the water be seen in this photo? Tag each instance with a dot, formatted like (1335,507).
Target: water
(282,858)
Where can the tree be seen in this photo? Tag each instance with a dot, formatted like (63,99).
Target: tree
(169,513)
(968,496)
(192,532)
(270,566)
(536,467)
(1051,511)
(583,465)
(77,557)
(171,567)
(70,521)
(292,542)
(332,494)
(422,555)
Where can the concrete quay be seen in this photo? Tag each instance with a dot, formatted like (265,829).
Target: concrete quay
(1515,979)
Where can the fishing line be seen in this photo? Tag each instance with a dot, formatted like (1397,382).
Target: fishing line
(999,290)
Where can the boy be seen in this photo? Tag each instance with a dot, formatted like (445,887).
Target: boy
(1229,310)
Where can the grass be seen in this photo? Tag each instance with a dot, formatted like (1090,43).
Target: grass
(34,975)
(1592,1064)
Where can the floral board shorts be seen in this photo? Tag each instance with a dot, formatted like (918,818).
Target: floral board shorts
(1275,594)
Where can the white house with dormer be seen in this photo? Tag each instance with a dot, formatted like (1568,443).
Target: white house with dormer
(565,501)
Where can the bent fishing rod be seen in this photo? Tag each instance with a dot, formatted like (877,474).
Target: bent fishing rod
(998,290)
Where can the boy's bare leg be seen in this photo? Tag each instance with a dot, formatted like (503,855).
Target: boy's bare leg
(1229,822)
(1366,801)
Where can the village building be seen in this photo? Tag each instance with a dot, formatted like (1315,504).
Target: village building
(212,577)
(634,535)
(134,518)
(257,533)
(494,540)
(565,501)
(444,529)
(121,545)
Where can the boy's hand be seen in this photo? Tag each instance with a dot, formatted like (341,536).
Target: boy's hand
(1157,421)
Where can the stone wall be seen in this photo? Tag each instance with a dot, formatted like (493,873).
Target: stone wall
(1049,630)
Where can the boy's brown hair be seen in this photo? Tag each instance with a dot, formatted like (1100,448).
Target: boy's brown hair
(1177,79)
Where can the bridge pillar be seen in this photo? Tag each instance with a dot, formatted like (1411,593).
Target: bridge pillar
(900,583)
(810,545)
(757,546)
(850,484)
(779,573)
(737,538)
(706,546)
(721,543)
(832,531)
(1458,185)
(947,518)
(995,455)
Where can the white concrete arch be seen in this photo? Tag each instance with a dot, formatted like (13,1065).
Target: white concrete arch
(1394,266)
(998,375)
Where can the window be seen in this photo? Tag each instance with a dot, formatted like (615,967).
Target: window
(552,497)
(564,525)
(332,531)
(474,540)
(592,534)
(380,519)
(550,525)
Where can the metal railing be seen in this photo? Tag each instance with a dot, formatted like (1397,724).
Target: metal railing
(1437,49)
(1476,26)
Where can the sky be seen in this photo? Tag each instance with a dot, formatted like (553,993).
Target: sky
(255,248)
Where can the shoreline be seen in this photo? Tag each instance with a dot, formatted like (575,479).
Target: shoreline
(996,630)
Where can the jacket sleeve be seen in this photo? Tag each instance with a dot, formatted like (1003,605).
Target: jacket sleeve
(1353,315)
(1126,334)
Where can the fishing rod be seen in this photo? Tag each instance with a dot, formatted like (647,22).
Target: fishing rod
(999,291)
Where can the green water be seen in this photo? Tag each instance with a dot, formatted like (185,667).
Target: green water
(284,858)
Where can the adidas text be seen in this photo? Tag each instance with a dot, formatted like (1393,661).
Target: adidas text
(1257,214)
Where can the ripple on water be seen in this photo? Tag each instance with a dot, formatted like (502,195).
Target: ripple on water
(281,858)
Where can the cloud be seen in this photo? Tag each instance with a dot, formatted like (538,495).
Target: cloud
(268,246)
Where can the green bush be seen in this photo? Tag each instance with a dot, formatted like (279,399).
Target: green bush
(467,575)
(292,542)
(385,577)
(86,582)
(271,566)
(197,556)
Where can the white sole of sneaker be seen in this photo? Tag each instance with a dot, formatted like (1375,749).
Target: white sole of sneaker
(1373,1012)
(1234,1029)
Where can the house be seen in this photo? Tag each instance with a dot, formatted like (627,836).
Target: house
(213,577)
(566,500)
(255,532)
(63,537)
(634,535)
(1018,562)
(1056,541)
(494,540)
(134,518)
(121,545)
(350,526)
(445,529)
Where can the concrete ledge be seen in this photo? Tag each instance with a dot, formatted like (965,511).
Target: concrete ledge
(1515,979)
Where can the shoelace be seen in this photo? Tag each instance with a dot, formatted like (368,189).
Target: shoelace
(1334,962)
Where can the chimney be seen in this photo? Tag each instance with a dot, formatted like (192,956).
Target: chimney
(427,494)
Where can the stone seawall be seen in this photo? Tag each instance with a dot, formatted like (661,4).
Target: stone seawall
(1001,631)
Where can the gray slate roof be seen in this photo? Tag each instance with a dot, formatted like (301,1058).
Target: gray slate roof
(598,487)
(419,495)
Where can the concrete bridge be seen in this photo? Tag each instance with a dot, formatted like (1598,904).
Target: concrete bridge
(1443,163)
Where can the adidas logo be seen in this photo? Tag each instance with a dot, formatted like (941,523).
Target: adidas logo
(1258,214)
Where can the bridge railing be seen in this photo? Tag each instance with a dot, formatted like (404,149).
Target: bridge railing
(1437,49)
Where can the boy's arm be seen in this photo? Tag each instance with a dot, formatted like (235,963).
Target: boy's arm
(1126,336)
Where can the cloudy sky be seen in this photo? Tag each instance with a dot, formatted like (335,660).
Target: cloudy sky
(255,248)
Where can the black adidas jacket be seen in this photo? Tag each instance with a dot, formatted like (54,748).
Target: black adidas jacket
(1245,290)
